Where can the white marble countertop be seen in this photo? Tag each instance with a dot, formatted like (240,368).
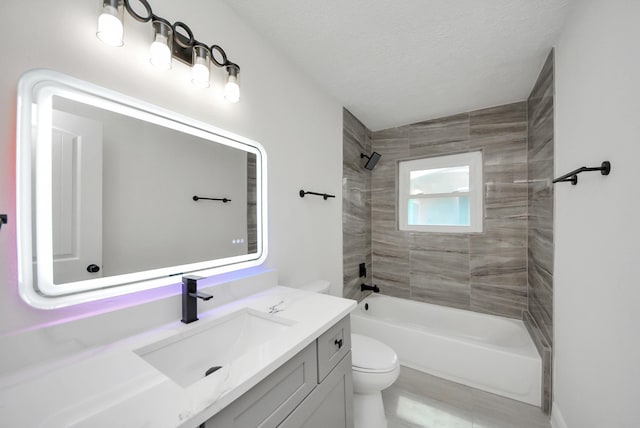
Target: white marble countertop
(112,385)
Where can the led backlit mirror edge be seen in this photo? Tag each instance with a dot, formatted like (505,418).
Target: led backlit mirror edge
(47,295)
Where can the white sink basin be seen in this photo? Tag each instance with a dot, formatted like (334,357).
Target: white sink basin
(186,357)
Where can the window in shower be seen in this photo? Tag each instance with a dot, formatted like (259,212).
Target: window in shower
(441,194)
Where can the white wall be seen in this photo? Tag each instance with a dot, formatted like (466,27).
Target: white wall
(597,234)
(300,127)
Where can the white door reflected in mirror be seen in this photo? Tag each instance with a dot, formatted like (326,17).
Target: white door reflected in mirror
(77,197)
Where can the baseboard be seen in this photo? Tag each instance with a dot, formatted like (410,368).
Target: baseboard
(557,421)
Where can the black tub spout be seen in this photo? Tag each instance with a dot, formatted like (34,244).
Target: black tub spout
(365,287)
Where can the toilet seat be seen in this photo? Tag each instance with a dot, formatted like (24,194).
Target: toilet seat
(372,356)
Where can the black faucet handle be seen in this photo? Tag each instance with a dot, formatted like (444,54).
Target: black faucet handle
(202,296)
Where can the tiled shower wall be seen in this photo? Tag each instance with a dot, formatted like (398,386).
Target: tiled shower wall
(356,205)
(540,155)
(505,270)
(485,272)
(539,318)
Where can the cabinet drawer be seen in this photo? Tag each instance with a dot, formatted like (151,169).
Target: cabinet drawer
(330,404)
(271,400)
(333,345)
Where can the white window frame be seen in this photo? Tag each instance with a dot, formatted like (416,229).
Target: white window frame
(476,206)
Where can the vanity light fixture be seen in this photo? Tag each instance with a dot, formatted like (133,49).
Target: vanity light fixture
(169,41)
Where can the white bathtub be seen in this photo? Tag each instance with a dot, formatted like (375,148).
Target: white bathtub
(488,352)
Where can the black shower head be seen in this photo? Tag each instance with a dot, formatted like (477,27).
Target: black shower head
(372,160)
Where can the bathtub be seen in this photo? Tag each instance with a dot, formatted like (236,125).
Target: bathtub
(487,352)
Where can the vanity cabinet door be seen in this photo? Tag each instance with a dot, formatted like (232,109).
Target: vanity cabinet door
(330,404)
(333,345)
(270,401)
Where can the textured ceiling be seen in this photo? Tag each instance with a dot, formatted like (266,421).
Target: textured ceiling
(394,62)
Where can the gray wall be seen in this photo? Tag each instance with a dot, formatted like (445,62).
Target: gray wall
(540,165)
(356,205)
(484,272)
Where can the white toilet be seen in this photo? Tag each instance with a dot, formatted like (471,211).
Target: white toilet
(374,367)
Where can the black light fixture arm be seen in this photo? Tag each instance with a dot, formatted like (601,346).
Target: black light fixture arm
(325,196)
(182,48)
(572,177)
(197,198)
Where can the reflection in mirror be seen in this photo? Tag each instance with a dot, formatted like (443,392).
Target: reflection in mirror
(125,195)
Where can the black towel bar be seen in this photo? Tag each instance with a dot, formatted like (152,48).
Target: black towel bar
(225,200)
(572,177)
(325,196)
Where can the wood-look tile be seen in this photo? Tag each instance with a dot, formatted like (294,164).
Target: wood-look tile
(541,139)
(506,266)
(505,201)
(493,411)
(544,82)
(544,350)
(391,133)
(501,126)
(505,154)
(540,200)
(356,204)
(391,274)
(514,113)
(541,308)
(501,133)
(421,400)
(499,234)
(440,277)
(540,172)
(541,248)
(391,149)
(352,126)
(446,242)
(439,136)
(509,301)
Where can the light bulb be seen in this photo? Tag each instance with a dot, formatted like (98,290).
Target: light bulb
(160,50)
(110,28)
(200,68)
(160,55)
(232,89)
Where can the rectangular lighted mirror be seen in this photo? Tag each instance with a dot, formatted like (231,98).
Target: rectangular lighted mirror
(116,195)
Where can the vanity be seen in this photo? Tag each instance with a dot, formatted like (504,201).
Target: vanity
(291,368)
(312,389)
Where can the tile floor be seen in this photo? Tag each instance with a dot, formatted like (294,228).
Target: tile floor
(421,400)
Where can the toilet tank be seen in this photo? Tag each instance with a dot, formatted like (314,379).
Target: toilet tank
(320,286)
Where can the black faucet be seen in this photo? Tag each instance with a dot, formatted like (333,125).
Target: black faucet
(190,298)
(365,287)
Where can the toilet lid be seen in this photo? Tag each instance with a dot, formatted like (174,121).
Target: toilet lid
(369,354)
